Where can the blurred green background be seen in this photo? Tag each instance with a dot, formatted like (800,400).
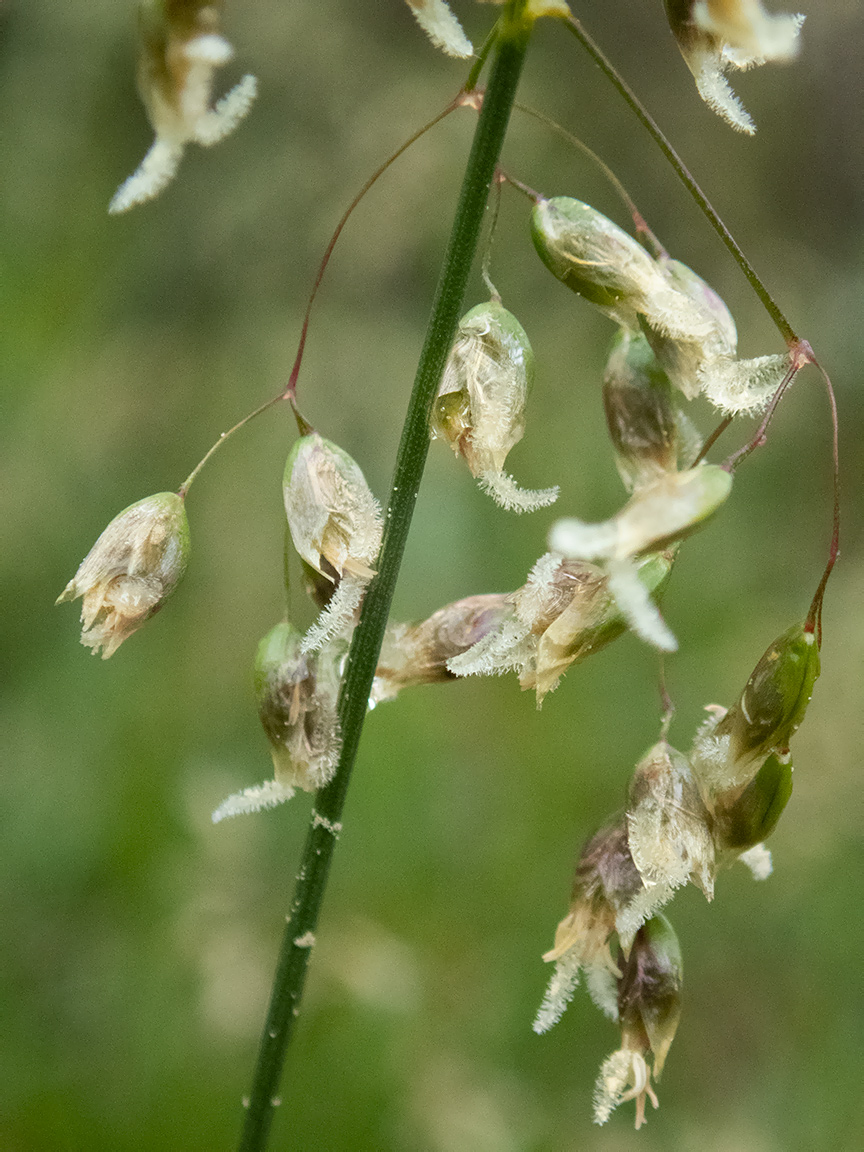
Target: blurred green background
(138,939)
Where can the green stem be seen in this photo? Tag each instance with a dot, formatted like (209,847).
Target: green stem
(636,105)
(190,479)
(509,54)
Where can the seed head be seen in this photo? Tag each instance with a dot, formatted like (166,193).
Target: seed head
(480,409)
(181,48)
(130,571)
(334,520)
(649,433)
(419,654)
(716,35)
(728,752)
(297,696)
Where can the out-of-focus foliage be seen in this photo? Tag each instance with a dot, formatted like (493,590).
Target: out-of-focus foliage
(138,939)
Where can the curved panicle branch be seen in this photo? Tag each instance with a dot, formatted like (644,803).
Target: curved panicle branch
(290,392)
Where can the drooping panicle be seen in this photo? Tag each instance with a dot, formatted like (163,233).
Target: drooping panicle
(130,571)
(650,435)
(297,697)
(419,653)
(480,408)
(181,48)
(335,525)
(716,35)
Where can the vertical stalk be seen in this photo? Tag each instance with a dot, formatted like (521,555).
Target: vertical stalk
(509,54)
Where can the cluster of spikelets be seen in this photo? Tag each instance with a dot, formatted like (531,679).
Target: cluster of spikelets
(675,339)
(335,525)
(714,36)
(182,47)
(687,817)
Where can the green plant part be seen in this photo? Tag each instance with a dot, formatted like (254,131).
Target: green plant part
(594,257)
(656,516)
(297,697)
(648,1010)
(480,409)
(130,571)
(750,819)
(775,698)
(650,435)
(335,525)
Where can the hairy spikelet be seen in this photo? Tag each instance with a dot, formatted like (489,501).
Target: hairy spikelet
(441,26)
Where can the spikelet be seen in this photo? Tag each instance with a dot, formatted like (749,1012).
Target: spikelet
(668,831)
(606,880)
(657,516)
(130,571)
(649,1008)
(441,26)
(716,35)
(480,408)
(420,654)
(297,704)
(181,49)
(335,525)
